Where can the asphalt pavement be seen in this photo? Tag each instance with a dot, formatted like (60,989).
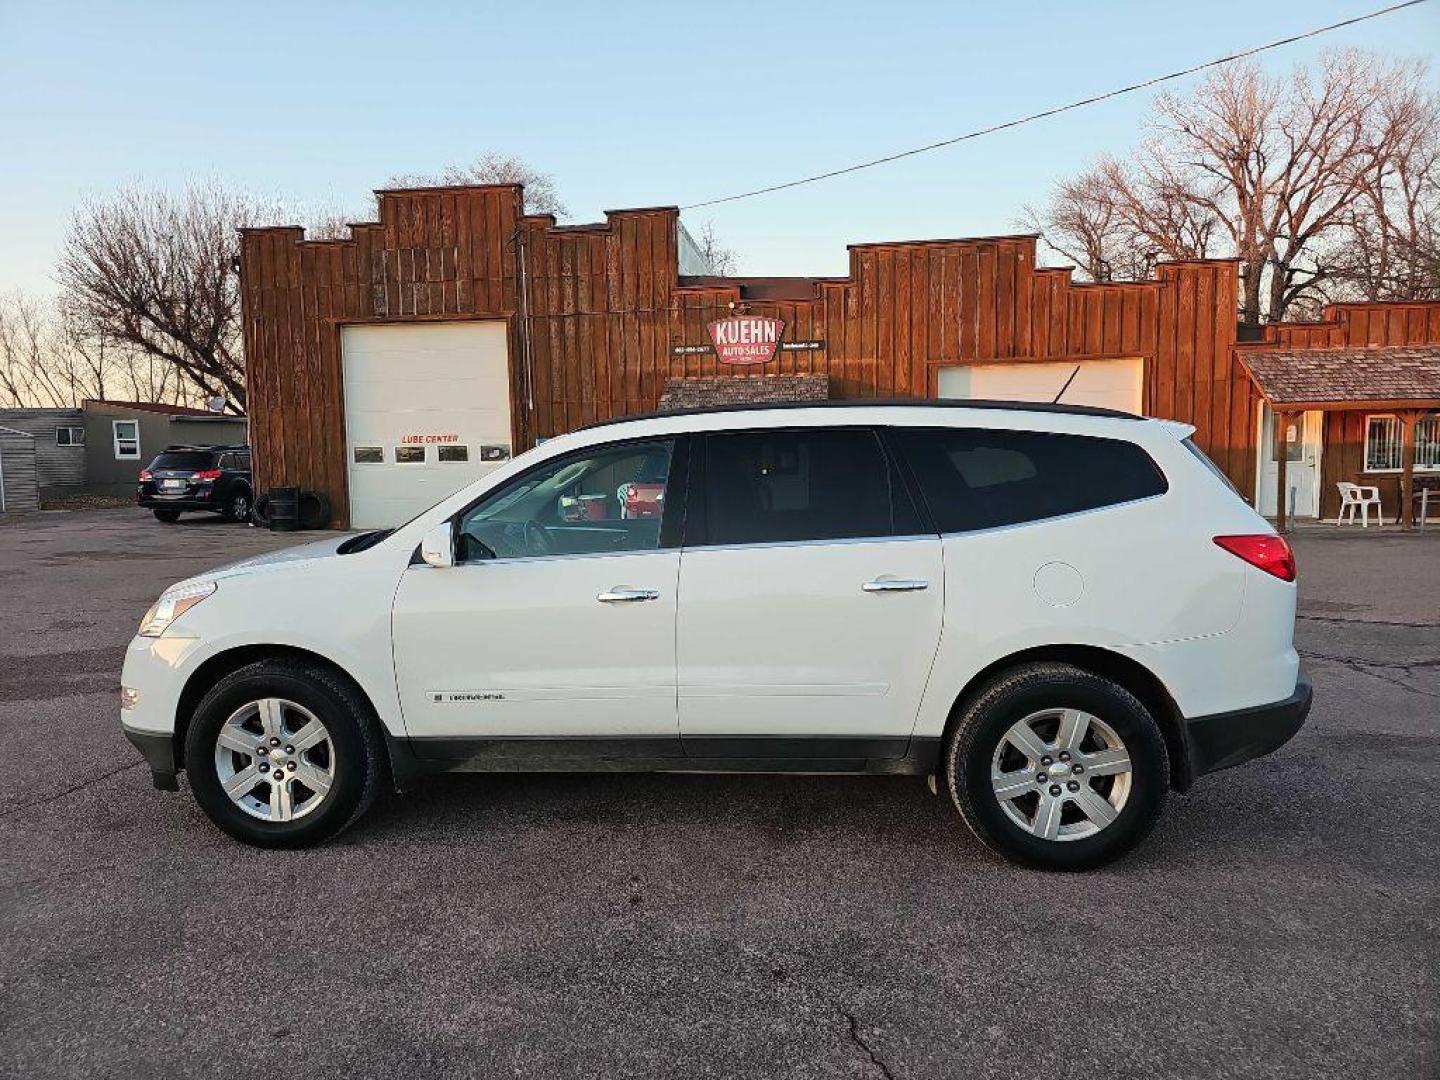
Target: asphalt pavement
(1281,921)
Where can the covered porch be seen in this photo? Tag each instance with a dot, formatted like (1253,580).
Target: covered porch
(1331,417)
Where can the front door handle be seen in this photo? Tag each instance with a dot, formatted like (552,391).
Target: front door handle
(622,595)
(895,585)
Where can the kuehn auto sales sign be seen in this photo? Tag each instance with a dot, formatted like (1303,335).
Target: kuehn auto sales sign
(745,339)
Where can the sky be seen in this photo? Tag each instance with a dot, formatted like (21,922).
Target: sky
(627,104)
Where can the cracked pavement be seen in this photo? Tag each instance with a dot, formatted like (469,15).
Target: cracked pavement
(1282,920)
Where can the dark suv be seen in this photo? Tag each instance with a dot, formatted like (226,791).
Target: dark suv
(215,478)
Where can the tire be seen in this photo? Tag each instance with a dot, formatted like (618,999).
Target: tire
(1039,698)
(237,506)
(167,516)
(352,753)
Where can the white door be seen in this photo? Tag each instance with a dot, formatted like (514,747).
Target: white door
(809,608)
(427,410)
(1108,384)
(1302,467)
(558,620)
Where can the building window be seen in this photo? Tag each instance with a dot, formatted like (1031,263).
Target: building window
(69,436)
(1427,442)
(454,453)
(369,455)
(409,455)
(127,439)
(1384,443)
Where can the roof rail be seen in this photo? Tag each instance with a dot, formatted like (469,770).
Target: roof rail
(877,403)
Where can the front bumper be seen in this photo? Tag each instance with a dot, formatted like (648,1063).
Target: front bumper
(1232,738)
(158,750)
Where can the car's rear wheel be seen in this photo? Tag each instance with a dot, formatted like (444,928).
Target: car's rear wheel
(1057,767)
(283,754)
(167,516)
(237,507)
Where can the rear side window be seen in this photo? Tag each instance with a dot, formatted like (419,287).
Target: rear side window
(184,459)
(973,478)
(771,486)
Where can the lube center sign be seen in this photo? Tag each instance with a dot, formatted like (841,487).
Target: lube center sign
(745,339)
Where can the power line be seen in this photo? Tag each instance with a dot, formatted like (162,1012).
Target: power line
(1057,110)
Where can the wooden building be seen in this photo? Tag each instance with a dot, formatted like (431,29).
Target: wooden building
(395,365)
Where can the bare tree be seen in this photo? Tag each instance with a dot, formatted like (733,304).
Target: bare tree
(1269,170)
(1392,248)
(150,271)
(541,194)
(45,363)
(50,359)
(721,259)
(1083,224)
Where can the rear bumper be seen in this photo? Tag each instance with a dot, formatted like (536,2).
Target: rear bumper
(158,750)
(1232,738)
(179,502)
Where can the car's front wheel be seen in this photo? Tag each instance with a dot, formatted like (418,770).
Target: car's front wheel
(1057,767)
(283,754)
(167,516)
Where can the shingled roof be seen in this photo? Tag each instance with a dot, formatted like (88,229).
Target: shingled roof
(1341,376)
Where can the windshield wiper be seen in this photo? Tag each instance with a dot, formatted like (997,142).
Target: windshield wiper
(363,542)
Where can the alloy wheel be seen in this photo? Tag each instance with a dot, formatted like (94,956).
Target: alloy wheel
(1061,774)
(274,760)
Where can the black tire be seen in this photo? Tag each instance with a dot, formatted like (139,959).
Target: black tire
(167,516)
(1015,694)
(359,761)
(237,505)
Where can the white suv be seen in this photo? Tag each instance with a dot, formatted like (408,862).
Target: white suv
(1059,613)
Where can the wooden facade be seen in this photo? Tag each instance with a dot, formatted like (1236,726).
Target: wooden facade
(599,319)
(1354,325)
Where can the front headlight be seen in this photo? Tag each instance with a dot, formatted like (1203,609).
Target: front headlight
(171,605)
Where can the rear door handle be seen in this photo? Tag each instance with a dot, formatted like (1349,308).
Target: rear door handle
(621,595)
(895,585)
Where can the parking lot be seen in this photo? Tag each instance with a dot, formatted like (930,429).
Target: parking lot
(1281,921)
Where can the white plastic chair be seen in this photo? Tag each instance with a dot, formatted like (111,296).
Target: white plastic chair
(1353,497)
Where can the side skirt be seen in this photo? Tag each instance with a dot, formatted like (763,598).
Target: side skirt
(866,755)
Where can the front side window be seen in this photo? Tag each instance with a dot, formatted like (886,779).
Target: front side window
(127,439)
(974,478)
(1385,443)
(69,436)
(809,484)
(610,499)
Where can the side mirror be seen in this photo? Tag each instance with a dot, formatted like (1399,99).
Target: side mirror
(438,547)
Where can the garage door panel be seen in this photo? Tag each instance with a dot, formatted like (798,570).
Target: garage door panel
(396,396)
(421,385)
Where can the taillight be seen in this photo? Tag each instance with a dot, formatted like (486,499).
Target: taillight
(206,474)
(145,475)
(1269,553)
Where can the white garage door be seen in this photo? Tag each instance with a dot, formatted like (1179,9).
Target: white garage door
(427,410)
(1109,384)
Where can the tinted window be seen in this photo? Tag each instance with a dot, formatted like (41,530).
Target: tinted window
(608,499)
(980,479)
(812,484)
(184,459)
(242,460)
